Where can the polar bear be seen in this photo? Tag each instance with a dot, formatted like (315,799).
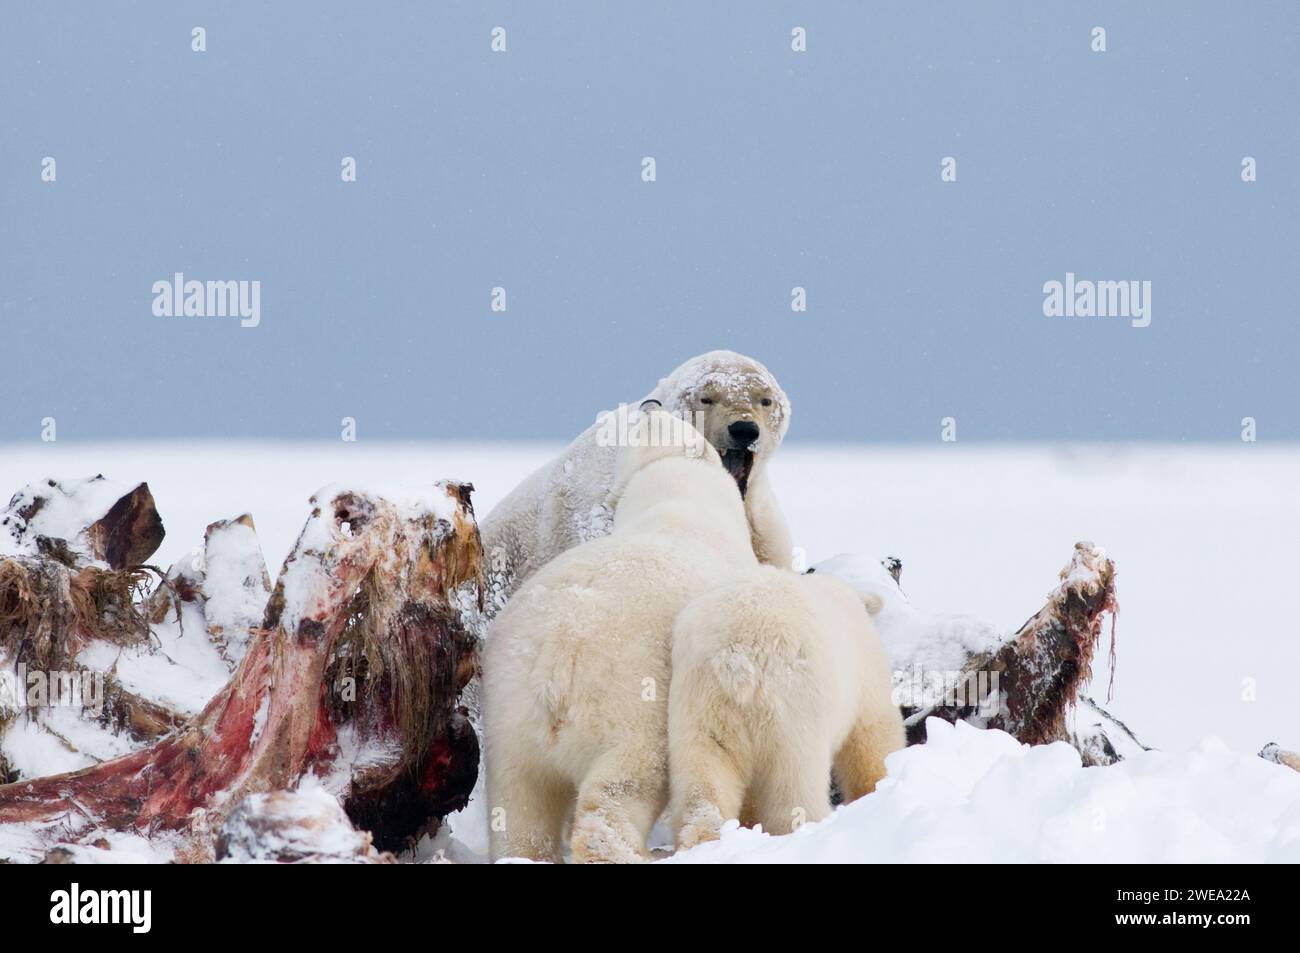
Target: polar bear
(732,399)
(576,666)
(776,678)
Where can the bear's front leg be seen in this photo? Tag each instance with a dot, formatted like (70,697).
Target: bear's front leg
(769,534)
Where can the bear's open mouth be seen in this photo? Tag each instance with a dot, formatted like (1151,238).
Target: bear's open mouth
(739,463)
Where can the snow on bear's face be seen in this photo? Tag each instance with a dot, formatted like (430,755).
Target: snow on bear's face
(735,402)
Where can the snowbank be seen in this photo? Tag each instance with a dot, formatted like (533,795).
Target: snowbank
(974,796)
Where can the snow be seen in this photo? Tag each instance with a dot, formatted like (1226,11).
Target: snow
(116,847)
(23,843)
(32,751)
(464,838)
(914,639)
(235,585)
(971,795)
(85,734)
(182,669)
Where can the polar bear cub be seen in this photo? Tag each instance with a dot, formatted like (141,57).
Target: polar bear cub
(776,678)
(576,666)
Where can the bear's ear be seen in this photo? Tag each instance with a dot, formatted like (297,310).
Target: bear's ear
(872,602)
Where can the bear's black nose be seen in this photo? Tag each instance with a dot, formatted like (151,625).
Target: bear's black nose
(744,432)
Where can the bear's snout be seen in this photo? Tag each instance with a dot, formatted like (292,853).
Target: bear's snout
(743,432)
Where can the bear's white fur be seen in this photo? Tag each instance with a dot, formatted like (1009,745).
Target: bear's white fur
(776,678)
(565,502)
(576,666)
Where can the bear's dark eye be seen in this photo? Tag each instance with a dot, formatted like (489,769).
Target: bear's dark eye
(706,400)
(766,401)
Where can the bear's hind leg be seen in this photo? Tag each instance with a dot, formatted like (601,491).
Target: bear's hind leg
(860,762)
(618,804)
(795,790)
(526,813)
(707,790)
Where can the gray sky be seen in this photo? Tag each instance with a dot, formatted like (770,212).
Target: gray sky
(522,169)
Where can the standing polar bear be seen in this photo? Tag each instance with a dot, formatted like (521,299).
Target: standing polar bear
(776,678)
(733,400)
(576,666)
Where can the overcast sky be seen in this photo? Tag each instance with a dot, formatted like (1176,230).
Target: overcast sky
(775,169)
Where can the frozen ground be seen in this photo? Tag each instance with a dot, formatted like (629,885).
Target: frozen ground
(1202,538)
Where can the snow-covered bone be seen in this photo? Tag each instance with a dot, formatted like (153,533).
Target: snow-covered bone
(229,584)
(1042,667)
(1100,737)
(236,586)
(82,521)
(294,827)
(70,578)
(70,555)
(374,578)
(1038,670)
(158,678)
